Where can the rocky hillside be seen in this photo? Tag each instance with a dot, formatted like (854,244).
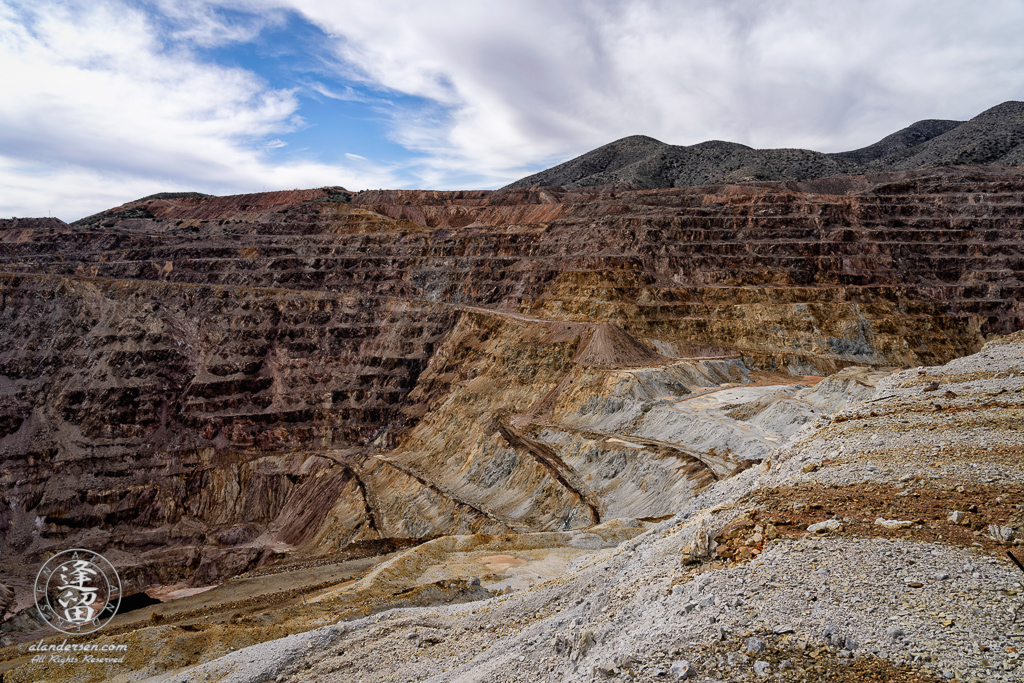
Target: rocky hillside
(871,547)
(203,386)
(995,136)
(911,136)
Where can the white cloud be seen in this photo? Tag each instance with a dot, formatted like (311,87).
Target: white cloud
(108,100)
(199,23)
(97,101)
(346,94)
(529,81)
(68,192)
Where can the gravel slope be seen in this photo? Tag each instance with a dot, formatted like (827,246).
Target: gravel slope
(736,587)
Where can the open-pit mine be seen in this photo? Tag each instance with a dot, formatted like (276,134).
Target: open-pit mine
(537,434)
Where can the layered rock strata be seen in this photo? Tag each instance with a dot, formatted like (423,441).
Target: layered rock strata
(871,548)
(196,385)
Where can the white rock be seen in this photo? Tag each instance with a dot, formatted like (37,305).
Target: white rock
(682,669)
(828,526)
(999,533)
(893,523)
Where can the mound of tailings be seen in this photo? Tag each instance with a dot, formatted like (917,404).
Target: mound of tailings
(609,346)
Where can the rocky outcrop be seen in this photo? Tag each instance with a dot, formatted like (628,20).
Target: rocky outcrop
(199,385)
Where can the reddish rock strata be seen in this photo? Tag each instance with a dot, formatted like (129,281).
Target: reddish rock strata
(194,384)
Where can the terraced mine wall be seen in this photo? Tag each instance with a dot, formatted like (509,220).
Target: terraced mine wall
(196,385)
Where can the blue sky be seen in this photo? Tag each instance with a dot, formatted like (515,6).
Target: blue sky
(109,100)
(339,116)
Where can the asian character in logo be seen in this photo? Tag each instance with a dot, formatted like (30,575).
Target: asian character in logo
(75,595)
(76,589)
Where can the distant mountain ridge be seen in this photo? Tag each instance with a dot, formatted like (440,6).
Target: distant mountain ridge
(994,137)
